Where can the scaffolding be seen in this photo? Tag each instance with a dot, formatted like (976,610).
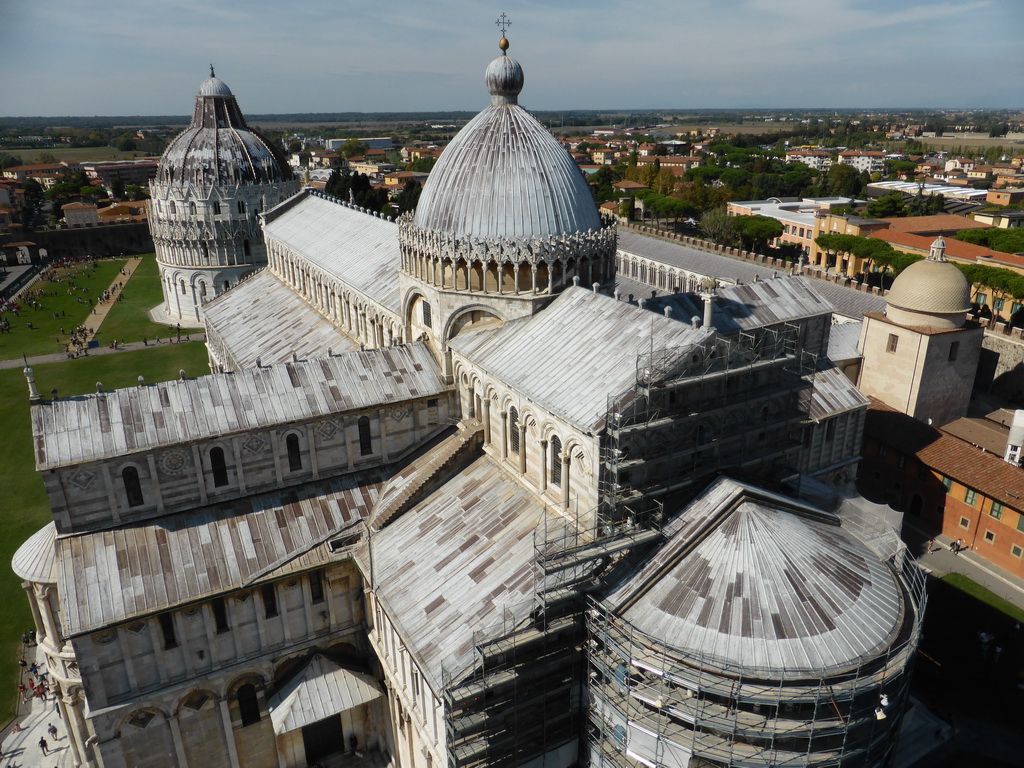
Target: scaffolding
(738,402)
(650,704)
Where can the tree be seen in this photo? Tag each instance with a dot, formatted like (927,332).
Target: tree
(33,201)
(9,161)
(352,148)
(756,231)
(844,181)
(887,207)
(422,164)
(409,196)
(46,157)
(719,226)
(117,188)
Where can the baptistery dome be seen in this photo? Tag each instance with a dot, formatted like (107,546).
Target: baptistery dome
(504,175)
(218,147)
(214,180)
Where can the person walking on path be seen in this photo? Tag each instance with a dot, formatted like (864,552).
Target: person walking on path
(52,730)
(44,746)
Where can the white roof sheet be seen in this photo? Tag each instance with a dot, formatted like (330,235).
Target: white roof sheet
(128,420)
(750,579)
(832,393)
(320,689)
(582,348)
(454,563)
(263,319)
(108,577)
(358,248)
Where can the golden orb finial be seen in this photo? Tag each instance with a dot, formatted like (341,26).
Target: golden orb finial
(503,44)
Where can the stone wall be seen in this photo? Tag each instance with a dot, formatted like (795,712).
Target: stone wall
(101,241)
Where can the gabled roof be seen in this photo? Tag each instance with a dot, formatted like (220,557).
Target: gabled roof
(322,688)
(125,421)
(109,577)
(580,350)
(455,565)
(263,319)
(985,472)
(357,248)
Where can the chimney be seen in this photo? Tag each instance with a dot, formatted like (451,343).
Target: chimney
(1015,441)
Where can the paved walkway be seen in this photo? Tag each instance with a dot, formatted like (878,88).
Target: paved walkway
(21,747)
(102,309)
(59,357)
(941,561)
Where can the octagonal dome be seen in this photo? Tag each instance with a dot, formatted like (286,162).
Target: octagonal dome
(218,148)
(504,175)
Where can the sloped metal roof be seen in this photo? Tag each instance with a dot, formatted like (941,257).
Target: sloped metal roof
(832,393)
(124,421)
(505,176)
(750,579)
(357,248)
(108,577)
(582,348)
(455,563)
(320,689)
(35,559)
(842,341)
(262,318)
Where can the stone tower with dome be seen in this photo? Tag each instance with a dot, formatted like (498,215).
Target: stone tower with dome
(505,222)
(213,181)
(920,355)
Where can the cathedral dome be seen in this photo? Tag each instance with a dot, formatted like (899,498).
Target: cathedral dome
(504,175)
(218,148)
(932,292)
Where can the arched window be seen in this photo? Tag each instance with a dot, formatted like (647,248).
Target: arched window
(294,457)
(171,207)
(365,441)
(192,208)
(241,206)
(227,285)
(556,460)
(248,704)
(132,486)
(246,249)
(219,468)
(183,286)
(216,208)
(513,429)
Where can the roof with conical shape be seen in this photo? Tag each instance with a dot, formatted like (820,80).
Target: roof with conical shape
(932,286)
(218,148)
(504,175)
(34,561)
(754,580)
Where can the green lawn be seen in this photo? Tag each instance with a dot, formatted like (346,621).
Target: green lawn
(25,509)
(984,595)
(44,337)
(76,154)
(128,319)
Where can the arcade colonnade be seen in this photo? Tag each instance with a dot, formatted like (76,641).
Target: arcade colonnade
(366,321)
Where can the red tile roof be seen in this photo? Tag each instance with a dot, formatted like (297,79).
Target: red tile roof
(985,472)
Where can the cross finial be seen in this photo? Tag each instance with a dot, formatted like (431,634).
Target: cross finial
(211,71)
(503,23)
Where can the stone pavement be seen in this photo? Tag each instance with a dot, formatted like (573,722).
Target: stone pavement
(17,362)
(20,738)
(941,561)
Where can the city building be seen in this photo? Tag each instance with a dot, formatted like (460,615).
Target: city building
(449,500)
(213,181)
(921,353)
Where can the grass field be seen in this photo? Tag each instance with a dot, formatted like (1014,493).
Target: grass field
(128,319)
(45,337)
(75,154)
(983,595)
(21,489)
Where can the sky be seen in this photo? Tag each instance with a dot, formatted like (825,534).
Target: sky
(146,57)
